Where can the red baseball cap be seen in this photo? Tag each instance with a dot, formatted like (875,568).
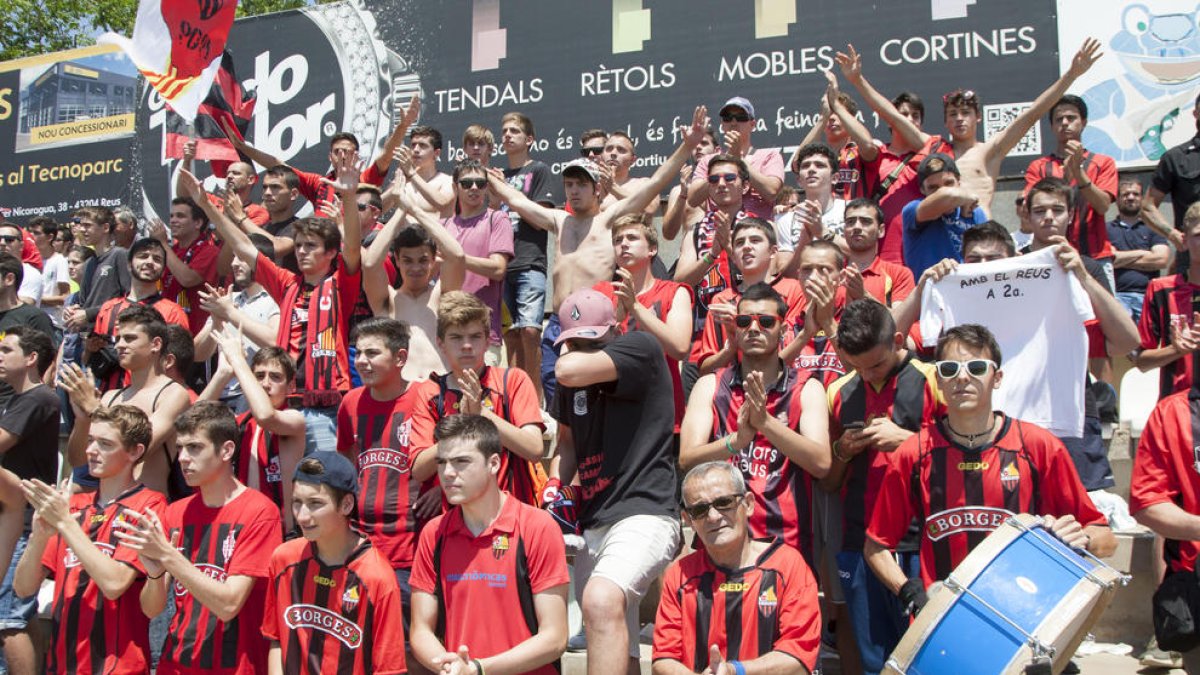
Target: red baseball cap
(587,314)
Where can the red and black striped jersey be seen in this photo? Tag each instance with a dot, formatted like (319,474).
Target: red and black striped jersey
(386,437)
(855,177)
(1167,469)
(342,619)
(257,461)
(485,585)
(659,300)
(782,491)
(1170,301)
(93,634)
(509,393)
(1088,231)
(233,540)
(910,398)
(748,612)
(959,496)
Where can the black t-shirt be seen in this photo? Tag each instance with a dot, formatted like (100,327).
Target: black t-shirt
(1178,176)
(23,315)
(285,228)
(1138,237)
(535,181)
(623,435)
(33,417)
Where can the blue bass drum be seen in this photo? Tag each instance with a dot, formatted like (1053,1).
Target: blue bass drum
(1021,598)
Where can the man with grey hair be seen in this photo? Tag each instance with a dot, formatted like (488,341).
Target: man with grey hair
(126,231)
(779,619)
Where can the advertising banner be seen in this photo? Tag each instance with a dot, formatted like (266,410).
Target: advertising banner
(66,121)
(636,65)
(1141,96)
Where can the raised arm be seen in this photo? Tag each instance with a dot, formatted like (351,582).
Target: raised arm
(347,169)
(441,200)
(286,422)
(851,65)
(867,149)
(231,234)
(530,211)
(1007,139)
(454,258)
(261,157)
(396,139)
(648,190)
(675,217)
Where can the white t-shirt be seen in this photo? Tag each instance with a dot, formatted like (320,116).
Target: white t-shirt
(259,307)
(54,271)
(1036,311)
(31,284)
(788,226)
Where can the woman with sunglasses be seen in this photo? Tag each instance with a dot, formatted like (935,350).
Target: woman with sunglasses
(974,467)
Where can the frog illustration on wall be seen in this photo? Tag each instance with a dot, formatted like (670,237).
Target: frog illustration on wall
(1129,114)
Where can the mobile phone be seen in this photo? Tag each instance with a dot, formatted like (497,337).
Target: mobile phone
(857,424)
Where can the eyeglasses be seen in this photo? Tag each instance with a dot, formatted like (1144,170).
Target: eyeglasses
(721,504)
(735,117)
(766,321)
(468,183)
(596,150)
(949,370)
(964,95)
(714,178)
(9,238)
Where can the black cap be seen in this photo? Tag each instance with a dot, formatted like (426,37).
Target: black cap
(338,472)
(936,163)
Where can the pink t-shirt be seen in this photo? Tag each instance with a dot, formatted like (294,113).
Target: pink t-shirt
(766,161)
(481,236)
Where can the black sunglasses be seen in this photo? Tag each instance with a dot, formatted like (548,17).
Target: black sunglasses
(767,321)
(975,368)
(595,150)
(721,504)
(468,183)
(735,117)
(714,178)
(9,238)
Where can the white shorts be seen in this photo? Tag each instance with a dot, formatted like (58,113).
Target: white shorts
(630,553)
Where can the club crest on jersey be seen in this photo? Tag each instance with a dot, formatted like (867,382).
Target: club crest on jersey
(499,546)
(325,303)
(1010,477)
(330,623)
(350,598)
(228,545)
(402,431)
(274,473)
(964,519)
(325,346)
(581,407)
(767,600)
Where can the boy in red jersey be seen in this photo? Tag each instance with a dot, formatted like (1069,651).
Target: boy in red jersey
(315,304)
(98,623)
(383,426)
(333,605)
(659,307)
(763,615)
(272,440)
(517,626)
(505,396)
(214,546)
(975,467)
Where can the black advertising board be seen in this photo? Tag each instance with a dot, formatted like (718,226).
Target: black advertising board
(638,65)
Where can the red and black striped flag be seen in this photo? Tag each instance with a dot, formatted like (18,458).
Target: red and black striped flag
(227,106)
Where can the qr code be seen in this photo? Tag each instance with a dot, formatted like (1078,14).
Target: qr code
(997,117)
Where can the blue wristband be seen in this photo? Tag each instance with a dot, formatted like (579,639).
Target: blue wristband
(738,668)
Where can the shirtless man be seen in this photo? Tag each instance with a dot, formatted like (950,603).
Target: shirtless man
(979,161)
(416,301)
(584,254)
(141,340)
(618,157)
(417,177)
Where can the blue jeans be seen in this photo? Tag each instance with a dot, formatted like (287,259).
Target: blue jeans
(1133,303)
(875,613)
(320,429)
(525,297)
(15,612)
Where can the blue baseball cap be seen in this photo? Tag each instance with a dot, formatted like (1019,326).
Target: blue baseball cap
(337,472)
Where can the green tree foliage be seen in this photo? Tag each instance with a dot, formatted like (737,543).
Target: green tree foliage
(39,26)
